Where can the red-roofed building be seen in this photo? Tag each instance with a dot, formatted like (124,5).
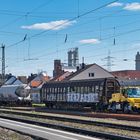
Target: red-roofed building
(127,74)
(61,77)
(36,85)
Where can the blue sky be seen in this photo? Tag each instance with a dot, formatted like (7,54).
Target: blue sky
(45,24)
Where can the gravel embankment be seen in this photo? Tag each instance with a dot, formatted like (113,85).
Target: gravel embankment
(6,134)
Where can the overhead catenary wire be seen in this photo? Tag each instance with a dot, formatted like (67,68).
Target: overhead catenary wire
(19,13)
(90,31)
(79,33)
(26,14)
(69,34)
(81,15)
(78,25)
(93,56)
(40,16)
(17,43)
(112,36)
(124,33)
(12,33)
(104,39)
(86,45)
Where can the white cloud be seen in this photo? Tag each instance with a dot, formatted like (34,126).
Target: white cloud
(115,4)
(89,41)
(135,6)
(53,25)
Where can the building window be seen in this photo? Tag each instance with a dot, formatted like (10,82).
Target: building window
(91,74)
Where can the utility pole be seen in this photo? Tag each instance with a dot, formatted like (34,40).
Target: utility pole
(3,63)
(109,61)
(108,58)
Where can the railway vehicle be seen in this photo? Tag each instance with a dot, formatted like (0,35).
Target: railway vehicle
(93,93)
(128,100)
(16,93)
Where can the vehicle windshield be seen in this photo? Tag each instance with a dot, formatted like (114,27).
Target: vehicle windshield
(133,92)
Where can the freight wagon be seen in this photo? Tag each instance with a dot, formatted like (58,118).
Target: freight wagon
(15,94)
(79,93)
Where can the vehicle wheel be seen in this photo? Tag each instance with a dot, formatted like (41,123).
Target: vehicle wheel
(126,108)
(113,108)
(138,111)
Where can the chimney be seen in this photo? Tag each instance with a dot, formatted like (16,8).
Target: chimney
(77,68)
(83,64)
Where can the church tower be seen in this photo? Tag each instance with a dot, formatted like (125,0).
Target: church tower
(137,61)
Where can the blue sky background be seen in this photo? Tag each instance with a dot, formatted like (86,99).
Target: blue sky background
(93,33)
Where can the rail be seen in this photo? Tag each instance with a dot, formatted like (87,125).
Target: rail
(89,122)
(74,130)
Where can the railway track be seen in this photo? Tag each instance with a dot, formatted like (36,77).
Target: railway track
(72,129)
(9,115)
(80,121)
(120,116)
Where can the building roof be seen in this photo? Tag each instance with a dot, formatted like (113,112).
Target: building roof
(77,72)
(39,80)
(127,74)
(85,68)
(61,77)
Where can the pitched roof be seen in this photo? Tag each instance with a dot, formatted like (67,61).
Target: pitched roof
(127,74)
(39,80)
(81,70)
(77,72)
(61,77)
